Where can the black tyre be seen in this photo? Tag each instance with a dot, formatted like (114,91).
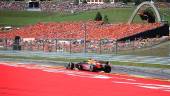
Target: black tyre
(107,69)
(92,68)
(70,66)
(80,67)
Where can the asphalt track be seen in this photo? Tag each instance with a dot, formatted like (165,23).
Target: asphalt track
(131,70)
(106,57)
(40,80)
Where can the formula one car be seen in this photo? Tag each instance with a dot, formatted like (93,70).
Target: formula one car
(99,66)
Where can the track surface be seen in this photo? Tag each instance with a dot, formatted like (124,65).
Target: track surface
(105,57)
(37,80)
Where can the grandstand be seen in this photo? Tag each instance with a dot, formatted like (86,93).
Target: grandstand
(60,35)
(95,30)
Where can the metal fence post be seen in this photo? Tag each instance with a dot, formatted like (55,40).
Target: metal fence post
(70,46)
(85,34)
(151,42)
(169,49)
(100,47)
(116,47)
(133,42)
(43,45)
(56,44)
(6,43)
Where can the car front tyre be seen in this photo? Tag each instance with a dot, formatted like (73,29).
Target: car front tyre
(70,66)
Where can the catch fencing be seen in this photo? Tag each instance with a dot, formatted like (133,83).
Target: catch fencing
(104,46)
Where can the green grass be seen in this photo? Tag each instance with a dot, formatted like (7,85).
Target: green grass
(140,64)
(18,18)
(82,59)
(115,15)
(161,50)
(165,14)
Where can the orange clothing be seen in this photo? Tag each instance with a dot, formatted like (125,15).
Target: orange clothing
(91,61)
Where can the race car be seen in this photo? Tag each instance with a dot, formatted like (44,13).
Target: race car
(99,66)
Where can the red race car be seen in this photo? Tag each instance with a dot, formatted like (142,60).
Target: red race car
(96,67)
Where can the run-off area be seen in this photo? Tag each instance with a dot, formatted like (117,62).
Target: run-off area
(38,80)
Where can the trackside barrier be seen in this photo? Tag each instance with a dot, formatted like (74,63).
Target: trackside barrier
(104,46)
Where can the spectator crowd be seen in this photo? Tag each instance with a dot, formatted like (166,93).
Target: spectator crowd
(65,6)
(13,5)
(77,30)
(66,36)
(55,6)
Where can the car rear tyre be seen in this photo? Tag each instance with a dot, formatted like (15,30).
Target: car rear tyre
(80,67)
(107,69)
(92,68)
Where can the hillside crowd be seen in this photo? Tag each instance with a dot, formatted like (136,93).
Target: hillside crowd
(76,30)
(52,6)
(66,6)
(15,5)
(70,7)
(67,36)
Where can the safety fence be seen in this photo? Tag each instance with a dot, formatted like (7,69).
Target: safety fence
(104,46)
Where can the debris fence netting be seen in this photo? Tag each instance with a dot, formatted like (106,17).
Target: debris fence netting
(79,46)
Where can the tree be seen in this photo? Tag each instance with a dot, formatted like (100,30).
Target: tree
(148,15)
(151,16)
(106,1)
(98,17)
(76,2)
(168,1)
(84,2)
(125,1)
(105,19)
(137,2)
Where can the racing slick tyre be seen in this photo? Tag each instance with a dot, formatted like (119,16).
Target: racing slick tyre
(70,66)
(107,69)
(92,68)
(80,67)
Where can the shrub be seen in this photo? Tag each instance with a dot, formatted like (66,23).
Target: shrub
(150,14)
(106,1)
(76,2)
(105,19)
(84,2)
(98,17)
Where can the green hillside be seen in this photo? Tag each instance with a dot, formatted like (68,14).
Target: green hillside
(20,18)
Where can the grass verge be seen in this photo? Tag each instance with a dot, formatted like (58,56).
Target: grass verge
(82,59)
